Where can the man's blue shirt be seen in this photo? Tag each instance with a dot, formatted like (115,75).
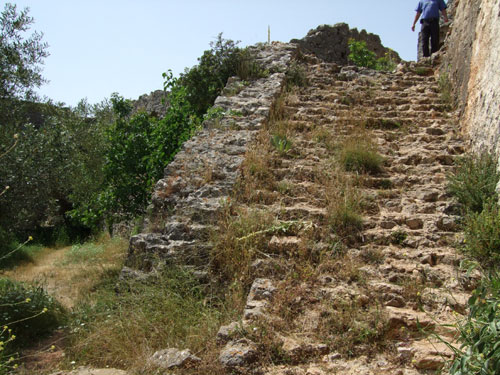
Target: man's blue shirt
(430,8)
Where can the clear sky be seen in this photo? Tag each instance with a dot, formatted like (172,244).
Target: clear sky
(98,47)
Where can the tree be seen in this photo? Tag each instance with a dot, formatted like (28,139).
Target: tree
(20,58)
(205,81)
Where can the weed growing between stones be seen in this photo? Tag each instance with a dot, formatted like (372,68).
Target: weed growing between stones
(242,235)
(445,90)
(281,143)
(295,76)
(474,181)
(482,235)
(473,185)
(358,154)
(354,327)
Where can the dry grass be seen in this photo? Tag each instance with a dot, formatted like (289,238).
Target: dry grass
(69,272)
(242,235)
(359,154)
(353,328)
(122,325)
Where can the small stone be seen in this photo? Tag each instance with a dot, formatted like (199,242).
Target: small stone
(227,332)
(447,224)
(388,224)
(431,362)
(332,357)
(239,353)
(434,131)
(262,289)
(415,223)
(284,244)
(429,196)
(171,358)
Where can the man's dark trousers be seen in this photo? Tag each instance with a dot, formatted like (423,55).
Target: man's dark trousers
(430,30)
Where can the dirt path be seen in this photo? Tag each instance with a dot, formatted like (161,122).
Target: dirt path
(65,279)
(48,270)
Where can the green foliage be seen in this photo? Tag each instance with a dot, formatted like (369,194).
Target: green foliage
(55,165)
(296,76)
(479,332)
(398,237)
(386,63)
(360,55)
(204,82)
(445,89)
(28,311)
(20,55)
(474,181)
(247,68)
(139,148)
(482,234)
(281,143)
(345,220)
(83,254)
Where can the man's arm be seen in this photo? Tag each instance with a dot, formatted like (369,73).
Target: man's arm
(445,15)
(417,16)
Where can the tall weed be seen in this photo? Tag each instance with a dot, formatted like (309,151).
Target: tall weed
(480,350)
(474,181)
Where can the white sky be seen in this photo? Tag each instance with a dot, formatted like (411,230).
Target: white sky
(98,47)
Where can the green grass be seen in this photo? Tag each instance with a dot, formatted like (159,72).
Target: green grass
(84,253)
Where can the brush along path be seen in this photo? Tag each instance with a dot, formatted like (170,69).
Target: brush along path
(352,299)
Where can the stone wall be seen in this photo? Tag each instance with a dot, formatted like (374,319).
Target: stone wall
(201,177)
(330,43)
(471,61)
(153,103)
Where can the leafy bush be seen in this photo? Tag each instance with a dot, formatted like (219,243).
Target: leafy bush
(27,313)
(474,181)
(360,55)
(480,349)
(204,82)
(482,234)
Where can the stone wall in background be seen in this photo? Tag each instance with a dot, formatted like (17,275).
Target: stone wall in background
(472,62)
(330,43)
(153,103)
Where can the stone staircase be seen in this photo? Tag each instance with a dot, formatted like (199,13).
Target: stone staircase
(402,266)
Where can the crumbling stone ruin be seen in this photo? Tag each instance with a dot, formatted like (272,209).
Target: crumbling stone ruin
(402,266)
(330,43)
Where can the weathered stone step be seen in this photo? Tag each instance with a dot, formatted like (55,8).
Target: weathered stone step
(301,211)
